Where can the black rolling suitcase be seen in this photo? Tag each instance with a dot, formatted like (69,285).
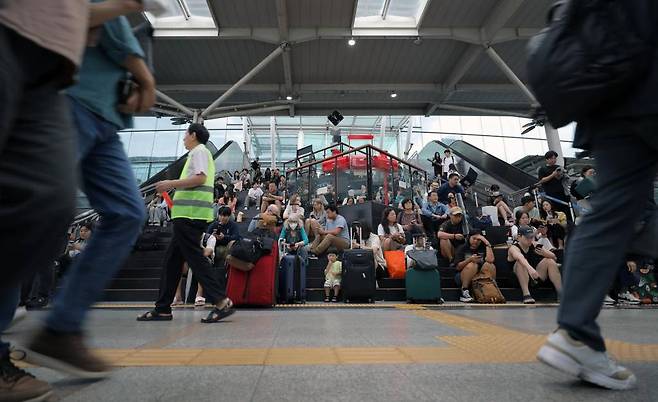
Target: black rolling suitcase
(358,283)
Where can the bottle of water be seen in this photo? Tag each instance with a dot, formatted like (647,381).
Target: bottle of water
(509,241)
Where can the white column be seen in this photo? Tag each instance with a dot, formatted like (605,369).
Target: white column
(397,143)
(410,130)
(246,138)
(554,144)
(273,140)
(300,139)
(382,132)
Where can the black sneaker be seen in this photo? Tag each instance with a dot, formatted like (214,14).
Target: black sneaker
(17,385)
(334,299)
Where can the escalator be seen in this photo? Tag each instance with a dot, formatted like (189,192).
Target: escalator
(490,170)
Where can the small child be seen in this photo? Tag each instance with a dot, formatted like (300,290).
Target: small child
(332,277)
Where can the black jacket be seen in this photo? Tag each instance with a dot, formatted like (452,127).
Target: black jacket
(230,230)
(643,98)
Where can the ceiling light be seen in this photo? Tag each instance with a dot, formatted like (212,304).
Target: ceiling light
(288,97)
(394,94)
(351,42)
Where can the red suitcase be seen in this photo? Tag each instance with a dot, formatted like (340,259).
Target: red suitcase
(256,287)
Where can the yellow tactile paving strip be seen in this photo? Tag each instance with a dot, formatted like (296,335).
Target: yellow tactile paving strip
(488,343)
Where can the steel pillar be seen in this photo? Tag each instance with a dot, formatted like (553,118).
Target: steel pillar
(247,77)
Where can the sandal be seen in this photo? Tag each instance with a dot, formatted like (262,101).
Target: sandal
(177,302)
(155,316)
(326,300)
(217,314)
(527,299)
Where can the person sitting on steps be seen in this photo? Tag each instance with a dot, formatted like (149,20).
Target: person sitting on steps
(451,234)
(532,263)
(471,258)
(334,233)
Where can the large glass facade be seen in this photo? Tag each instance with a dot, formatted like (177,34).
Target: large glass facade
(155,142)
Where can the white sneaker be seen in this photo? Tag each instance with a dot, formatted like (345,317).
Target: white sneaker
(609,301)
(628,298)
(19,315)
(465,297)
(200,301)
(573,357)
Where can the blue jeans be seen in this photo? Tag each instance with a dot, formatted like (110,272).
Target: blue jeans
(108,180)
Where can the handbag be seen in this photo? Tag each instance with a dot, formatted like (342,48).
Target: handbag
(425,259)
(395,264)
(587,57)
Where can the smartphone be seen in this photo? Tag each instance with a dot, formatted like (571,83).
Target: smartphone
(539,246)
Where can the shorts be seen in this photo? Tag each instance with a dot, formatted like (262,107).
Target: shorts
(458,275)
(331,282)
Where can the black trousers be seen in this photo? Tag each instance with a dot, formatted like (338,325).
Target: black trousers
(37,158)
(39,284)
(597,247)
(185,246)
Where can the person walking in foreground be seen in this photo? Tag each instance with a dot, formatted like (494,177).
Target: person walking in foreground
(628,126)
(191,214)
(109,183)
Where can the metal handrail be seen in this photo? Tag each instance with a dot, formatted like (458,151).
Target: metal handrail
(354,150)
(322,150)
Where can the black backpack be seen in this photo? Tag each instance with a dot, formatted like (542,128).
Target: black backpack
(589,56)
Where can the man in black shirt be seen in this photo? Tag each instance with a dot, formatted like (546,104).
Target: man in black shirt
(451,234)
(226,231)
(551,177)
(470,258)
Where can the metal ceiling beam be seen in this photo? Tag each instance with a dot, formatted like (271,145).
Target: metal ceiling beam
(174,103)
(458,108)
(300,35)
(167,112)
(511,75)
(260,66)
(248,112)
(498,17)
(345,87)
(254,105)
(282,18)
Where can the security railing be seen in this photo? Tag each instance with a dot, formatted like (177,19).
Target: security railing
(365,172)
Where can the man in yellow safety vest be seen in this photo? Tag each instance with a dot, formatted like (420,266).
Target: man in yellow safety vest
(191,214)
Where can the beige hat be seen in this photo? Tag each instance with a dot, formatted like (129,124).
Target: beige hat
(456,211)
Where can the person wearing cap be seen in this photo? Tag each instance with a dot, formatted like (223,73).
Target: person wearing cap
(528,205)
(505,214)
(451,234)
(531,262)
(471,258)
(191,214)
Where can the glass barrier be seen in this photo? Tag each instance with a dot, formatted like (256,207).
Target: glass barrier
(356,175)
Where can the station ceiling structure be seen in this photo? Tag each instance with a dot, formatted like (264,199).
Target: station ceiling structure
(220,58)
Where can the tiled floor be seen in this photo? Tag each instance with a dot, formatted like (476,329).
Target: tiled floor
(317,354)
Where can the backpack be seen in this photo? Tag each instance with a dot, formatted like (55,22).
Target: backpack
(647,289)
(485,289)
(587,57)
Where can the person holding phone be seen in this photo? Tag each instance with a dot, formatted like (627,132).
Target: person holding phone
(531,262)
(390,232)
(471,258)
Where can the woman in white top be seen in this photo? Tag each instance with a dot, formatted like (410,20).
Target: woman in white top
(522,219)
(294,207)
(390,231)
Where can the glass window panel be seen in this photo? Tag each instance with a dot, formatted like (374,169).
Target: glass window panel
(400,13)
(166,144)
(141,144)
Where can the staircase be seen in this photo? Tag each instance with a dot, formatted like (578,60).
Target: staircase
(139,278)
